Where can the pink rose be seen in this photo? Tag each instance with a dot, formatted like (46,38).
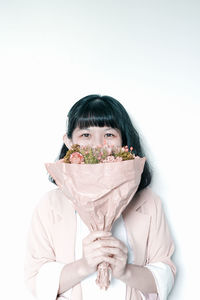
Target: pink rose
(76,158)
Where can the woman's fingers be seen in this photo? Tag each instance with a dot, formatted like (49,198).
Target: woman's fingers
(100,246)
(96,235)
(92,255)
(113,251)
(109,242)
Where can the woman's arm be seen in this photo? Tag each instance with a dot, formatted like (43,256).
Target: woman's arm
(139,278)
(71,275)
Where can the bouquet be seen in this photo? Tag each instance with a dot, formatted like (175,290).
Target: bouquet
(94,155)
(100,182)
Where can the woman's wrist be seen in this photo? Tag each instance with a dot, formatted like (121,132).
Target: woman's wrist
(83,269)
(72,274)
(126,275)
(140,278)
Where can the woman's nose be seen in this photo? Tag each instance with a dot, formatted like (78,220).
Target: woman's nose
(98,140)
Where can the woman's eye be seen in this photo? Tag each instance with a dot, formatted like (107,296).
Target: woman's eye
(110,134)
(85,134)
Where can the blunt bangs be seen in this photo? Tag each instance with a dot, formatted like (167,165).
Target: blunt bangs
(97,114)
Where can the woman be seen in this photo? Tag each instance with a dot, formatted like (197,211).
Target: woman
(62,256)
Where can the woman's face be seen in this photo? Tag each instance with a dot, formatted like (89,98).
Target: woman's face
(94,136)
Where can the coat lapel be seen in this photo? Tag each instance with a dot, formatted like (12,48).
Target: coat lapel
(65,226)
(137,226)
(71,251)
(64,232)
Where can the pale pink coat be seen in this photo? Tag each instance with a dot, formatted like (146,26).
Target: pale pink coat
(52,236)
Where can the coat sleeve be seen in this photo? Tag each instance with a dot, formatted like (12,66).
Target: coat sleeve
(41,270)
(160,251)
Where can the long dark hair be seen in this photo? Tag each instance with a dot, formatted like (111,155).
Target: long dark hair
(97,110)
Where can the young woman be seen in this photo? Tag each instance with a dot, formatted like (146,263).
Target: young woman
(62,255)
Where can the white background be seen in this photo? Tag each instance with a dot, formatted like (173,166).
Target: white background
(145,54)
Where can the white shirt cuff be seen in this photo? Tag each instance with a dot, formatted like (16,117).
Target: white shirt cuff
(47,281)
(164,278)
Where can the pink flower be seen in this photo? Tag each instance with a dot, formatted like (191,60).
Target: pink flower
(109,158)
(76,158)
(118,158)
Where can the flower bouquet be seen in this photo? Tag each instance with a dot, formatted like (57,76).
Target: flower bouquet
(100,182)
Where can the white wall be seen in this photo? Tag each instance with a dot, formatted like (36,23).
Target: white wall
(145,54)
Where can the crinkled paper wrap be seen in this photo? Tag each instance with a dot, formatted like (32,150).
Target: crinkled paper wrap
(99,193)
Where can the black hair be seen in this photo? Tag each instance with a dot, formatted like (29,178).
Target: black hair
(97,110)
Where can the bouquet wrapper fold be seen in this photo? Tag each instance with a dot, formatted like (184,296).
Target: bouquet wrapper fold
(99,193)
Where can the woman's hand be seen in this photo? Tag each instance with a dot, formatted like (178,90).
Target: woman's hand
(100,246)
(116,255)
(92,250)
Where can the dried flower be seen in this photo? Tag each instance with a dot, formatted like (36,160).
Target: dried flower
(76,158)
(100,154)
